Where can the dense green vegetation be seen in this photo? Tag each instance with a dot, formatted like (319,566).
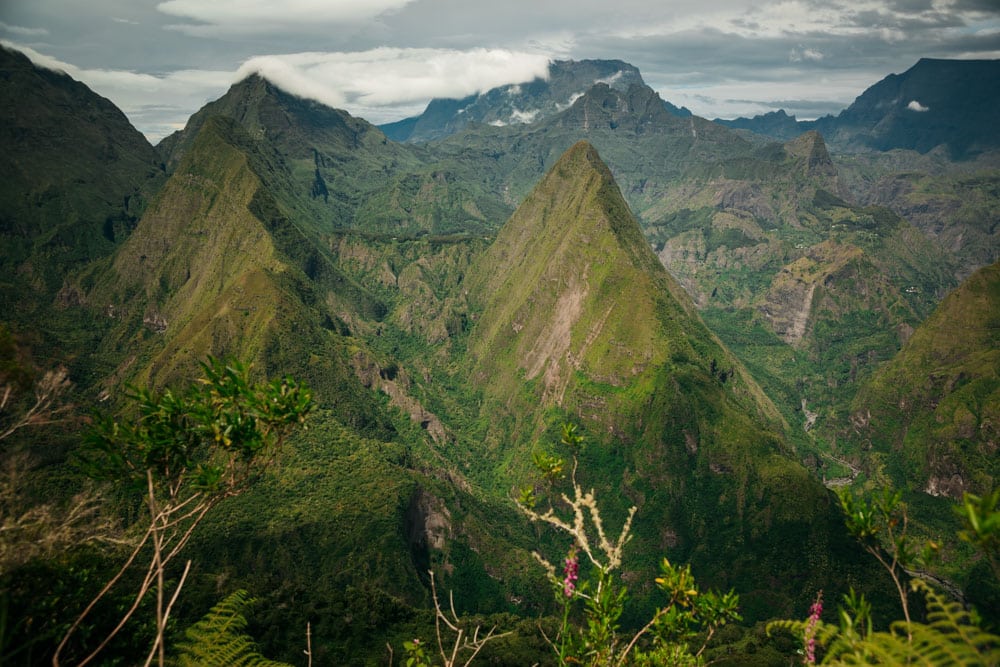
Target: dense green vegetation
(452,305)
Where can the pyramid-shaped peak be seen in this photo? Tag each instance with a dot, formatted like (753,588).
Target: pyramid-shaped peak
(582,154)
(811,148)
(572,297)
(575,208)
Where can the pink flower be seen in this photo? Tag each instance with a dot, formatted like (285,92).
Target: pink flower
(570,573)
(810,632)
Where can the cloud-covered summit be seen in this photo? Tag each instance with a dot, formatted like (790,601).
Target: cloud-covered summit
(393,76)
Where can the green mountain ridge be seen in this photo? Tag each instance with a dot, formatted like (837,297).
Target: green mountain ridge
(346,174)
(215,268)
(935,103)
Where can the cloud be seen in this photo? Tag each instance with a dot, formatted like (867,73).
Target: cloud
(916,106)
(386,77)
(378,85)
(246,17)
(801,54)
(22,31)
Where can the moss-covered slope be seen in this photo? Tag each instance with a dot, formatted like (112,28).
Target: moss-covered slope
(345,174)
(216,267)
(934,409)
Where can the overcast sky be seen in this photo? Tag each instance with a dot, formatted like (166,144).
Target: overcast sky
(382,60)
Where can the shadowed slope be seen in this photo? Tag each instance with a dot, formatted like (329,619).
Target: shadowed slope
(937,402)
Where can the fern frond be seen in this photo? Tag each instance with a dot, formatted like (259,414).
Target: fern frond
(950,638)
(825,632)
(219,639)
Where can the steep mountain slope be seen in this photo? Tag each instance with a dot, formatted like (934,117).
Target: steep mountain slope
(522,103)
(934,409)
(951,103)
(74,177)
(646,146)
(215,266)
(345,173)
(578,319)
(289,234)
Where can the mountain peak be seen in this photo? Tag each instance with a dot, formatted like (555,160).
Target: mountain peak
(265,109)
(523,103)
(571,290)
(811,148)
(575,200)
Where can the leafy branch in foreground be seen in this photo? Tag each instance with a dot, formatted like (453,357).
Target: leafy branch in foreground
(952,634)
(30,530)
(18,377)
(981,518)
(184,453)
(597,640)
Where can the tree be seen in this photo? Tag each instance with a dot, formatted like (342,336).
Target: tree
(182,454)
(30,398)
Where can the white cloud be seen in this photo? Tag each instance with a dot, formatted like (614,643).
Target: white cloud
(610,79)
(22,31)
(245,17)
(916,106)
(519,116)
(378,85)
(571,101)
(390,76)
(801,54)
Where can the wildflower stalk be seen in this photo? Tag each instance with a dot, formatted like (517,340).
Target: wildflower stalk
(809,636)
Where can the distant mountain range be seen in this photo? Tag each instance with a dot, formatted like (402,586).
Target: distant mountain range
(950,103)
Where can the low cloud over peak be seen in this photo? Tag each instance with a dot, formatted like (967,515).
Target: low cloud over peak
(387,77)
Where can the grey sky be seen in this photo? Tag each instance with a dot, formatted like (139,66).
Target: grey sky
(161,60)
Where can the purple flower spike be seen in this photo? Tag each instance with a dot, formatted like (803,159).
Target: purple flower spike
(810,632)
(570,574)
